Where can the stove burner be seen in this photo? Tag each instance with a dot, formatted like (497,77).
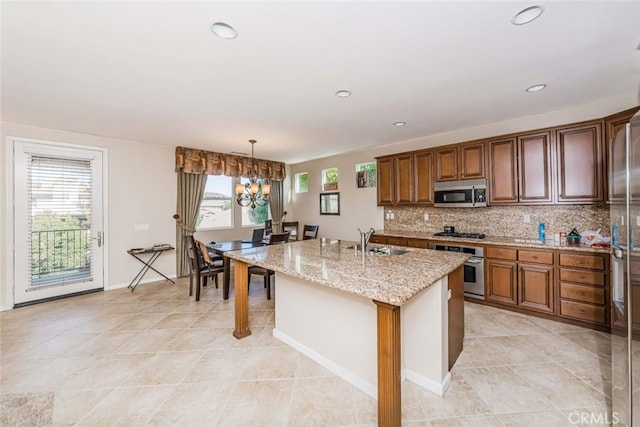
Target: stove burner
(460,235)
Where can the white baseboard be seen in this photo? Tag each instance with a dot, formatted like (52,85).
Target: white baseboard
(114,286)
(438,388)
(350,377)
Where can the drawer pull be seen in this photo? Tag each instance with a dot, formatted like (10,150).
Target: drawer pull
(534,257)
(582,312)
(581,293)
(581,277)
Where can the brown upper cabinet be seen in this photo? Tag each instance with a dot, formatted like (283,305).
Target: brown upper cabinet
(579,156)
(615,149)
(405,179)
(460,161)
(386,181)
(520,169)
(560,165)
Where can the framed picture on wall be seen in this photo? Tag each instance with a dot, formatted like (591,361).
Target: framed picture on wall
(329,203)
(366,175)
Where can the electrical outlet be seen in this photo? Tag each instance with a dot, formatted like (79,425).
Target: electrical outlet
(527,218)
(141,227)
(426,217)
(393,216)
(622,220)
(386,215)
(638,221)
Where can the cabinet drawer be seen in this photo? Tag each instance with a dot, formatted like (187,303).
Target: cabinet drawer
(398,241)
(501,253)
(378,239)
(536,257)
(594,262)
(582,293)
(587,312)
(582,276)
(418,243)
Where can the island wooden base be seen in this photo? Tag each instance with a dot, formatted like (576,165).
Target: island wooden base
(241,278)
(389,380)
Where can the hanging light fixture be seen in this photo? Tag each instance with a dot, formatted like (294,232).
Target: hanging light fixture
(253,193)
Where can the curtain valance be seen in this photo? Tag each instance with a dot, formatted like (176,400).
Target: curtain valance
(190,160)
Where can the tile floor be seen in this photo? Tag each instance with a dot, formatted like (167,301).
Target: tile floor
(155,357)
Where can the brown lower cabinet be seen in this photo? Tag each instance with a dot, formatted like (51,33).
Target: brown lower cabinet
(583,287)
(522,278)
(456,314)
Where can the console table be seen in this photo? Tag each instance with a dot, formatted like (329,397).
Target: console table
(155,252)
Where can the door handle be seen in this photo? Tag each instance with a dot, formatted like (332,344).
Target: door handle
(98,238)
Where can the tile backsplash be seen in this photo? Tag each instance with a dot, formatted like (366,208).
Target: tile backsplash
(500,220)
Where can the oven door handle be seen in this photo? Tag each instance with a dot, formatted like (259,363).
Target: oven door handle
(474,261)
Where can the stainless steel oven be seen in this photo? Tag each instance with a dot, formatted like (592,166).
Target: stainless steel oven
(473,268)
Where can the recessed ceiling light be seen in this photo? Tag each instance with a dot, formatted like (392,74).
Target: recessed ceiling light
(536,88)
(224,31)
(343,94)
(398,124)
(527,15)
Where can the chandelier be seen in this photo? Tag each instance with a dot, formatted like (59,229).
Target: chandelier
(252,193)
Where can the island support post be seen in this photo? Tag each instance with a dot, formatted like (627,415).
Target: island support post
(241,278)
(389,369)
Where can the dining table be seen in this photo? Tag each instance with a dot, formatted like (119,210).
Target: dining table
(232,245)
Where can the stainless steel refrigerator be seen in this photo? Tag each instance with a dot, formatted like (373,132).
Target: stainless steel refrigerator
(624,166)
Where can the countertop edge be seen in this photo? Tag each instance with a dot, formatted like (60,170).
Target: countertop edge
(493,241)
(244,255)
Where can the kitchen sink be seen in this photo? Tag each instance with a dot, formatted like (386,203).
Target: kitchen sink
(381,251)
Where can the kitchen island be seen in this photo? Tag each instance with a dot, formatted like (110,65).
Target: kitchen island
(373,319)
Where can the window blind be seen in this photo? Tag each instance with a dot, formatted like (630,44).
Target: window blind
(60,198)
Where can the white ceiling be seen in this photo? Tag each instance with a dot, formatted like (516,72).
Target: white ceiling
(154,72)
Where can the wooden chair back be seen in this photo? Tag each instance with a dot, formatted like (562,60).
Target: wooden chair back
(310,232)
(275,238)
(292,228)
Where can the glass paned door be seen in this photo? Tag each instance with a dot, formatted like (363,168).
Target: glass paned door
(59,242)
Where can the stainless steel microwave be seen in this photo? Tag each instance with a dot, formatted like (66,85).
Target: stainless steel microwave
(461,194)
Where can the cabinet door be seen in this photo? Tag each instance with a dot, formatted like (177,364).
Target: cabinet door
(471,160)
(535,287)
(423,178)
(501,281)
(503,172)
(534,154)
(616,152)
(446,164)
(386,181)
(404,179)
(579,163)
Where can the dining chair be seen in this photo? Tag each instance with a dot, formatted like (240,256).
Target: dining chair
(258,235)
(199,268)
(292,228)
(310,232)
(274,239)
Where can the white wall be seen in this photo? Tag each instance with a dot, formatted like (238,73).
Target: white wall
(141,190)
(358,207)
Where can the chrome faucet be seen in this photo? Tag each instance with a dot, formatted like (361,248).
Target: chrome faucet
(364,238)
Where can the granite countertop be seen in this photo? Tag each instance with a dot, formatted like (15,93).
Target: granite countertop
(495,240)
(393,279)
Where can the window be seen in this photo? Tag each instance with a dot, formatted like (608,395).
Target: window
(330,179)
(216,209)
(257,216)
(302,182)
(366,174)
